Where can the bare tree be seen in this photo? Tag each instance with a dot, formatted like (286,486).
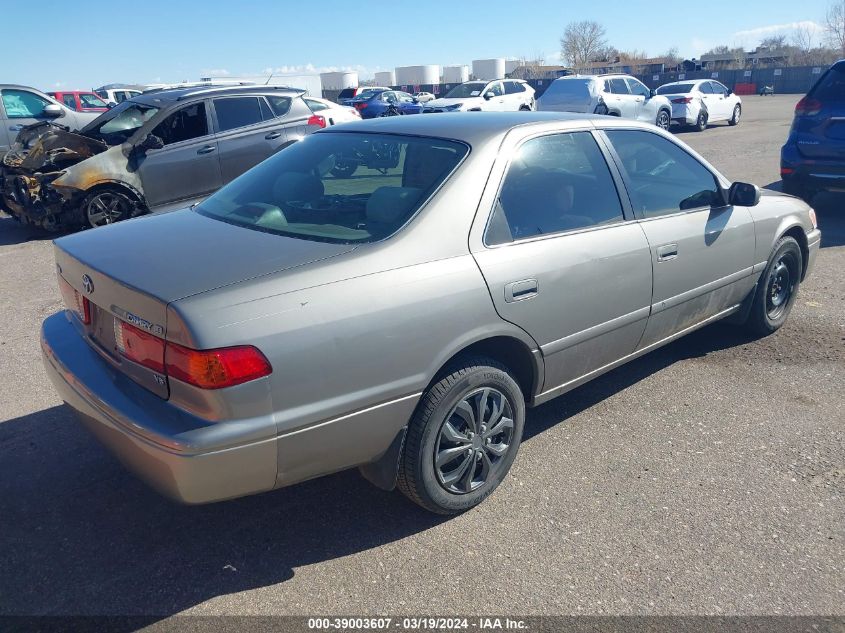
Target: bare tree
(835,26)
(673,58)
(774,42)
(581,41)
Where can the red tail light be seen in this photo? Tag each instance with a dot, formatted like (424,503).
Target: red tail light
(808,107)
(216,368)
(75,302)
(682,100)
(786,171)
(360,105)
(139,346)
(206,369)
(316,119)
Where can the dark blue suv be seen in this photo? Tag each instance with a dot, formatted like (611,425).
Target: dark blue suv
(813,158)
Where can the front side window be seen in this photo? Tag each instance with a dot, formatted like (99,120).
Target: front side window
(496,89)
(22,104)
(235,112)
(618,86)
(718,88)
(92,101)
(185,124)
(638,88)
(663,178)
(555,183)
(306,191)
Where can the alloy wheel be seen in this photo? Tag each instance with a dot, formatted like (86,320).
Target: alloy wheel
(107,208)
(663,120)
(474,440)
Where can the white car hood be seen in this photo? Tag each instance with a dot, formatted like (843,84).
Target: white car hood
(443,103)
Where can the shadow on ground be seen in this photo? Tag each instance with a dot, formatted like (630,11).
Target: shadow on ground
(80,535)
(13,232)
(830,213)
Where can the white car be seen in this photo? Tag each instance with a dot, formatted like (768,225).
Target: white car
(701,101)
(423,97)
(615,95)
(501,95)
(116,95)
(332,112)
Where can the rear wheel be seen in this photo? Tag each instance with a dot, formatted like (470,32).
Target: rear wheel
(344,168)
(463,437)
(663,120)
(701,122)
(601,109)
(737,115)
(107,206)
(778,286)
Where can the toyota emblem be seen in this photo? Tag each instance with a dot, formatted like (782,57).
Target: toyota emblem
(87,284)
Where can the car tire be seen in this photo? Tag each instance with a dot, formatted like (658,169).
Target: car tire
(664,120)
(777,288)
(737,115)
(451,422)
(344,168)
(107,206)
(525,108)
(701,122)
(601,109)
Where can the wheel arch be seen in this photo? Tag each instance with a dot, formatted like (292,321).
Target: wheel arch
(123,187)
(796,232)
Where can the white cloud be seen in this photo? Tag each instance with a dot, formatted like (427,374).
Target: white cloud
(214,72)
(753,36)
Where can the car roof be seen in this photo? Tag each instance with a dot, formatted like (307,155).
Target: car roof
(182,94)
(470,127)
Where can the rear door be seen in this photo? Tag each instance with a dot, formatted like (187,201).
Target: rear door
(640,96)
(820,123)
(247,133)
(561,258)
(188,166)
(702,250)
(293,115)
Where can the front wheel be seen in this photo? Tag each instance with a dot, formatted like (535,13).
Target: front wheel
(107,206)
(463,437)
(737,115)
(777,288)
(663,120)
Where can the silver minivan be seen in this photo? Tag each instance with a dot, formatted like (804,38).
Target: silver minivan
(158,151)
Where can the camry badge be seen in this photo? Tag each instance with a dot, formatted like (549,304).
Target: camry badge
(87,284)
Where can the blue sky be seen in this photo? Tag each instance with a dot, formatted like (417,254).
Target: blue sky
(153,41)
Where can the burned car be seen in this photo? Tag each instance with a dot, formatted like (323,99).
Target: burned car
(159,151)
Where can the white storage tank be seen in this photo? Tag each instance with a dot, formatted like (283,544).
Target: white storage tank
(488,69)
(511,65)
(339,80)
(455,74)
(417,75)
(385,78)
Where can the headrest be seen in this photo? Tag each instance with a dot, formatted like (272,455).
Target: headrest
(390,204)
(425,165)
(295,185)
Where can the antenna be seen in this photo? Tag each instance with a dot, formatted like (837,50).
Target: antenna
(268,79)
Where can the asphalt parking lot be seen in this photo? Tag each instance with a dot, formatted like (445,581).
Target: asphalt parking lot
(706,477)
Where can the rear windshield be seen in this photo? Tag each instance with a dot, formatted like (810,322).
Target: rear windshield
(346,93)
(338,187)
(575,87)
(675,89)
(831,86)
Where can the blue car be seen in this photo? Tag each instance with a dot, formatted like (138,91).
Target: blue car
(385,103)
(813,158)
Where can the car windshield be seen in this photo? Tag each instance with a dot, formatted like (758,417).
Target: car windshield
(338,187)
(471,89)
(121,122)
(675,89)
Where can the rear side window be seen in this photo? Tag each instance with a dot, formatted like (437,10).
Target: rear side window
(322,189)
(315,105)
(618,86)
(831,86)
(235,112)
(556,183)
(663,178)
(188,123)
(280,105)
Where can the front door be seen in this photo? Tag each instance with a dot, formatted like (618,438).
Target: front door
(561,259)
(702,250)
(497,101)
(23,108)
(187,167)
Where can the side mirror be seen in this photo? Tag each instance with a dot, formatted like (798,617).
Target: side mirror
(489,95)
(652,93)
(53,111)
(743,194)
(150,141)
(110,105)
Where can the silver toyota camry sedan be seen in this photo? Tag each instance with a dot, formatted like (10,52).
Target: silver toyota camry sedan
(297,322)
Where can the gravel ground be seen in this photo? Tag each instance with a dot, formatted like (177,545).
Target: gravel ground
(705,478)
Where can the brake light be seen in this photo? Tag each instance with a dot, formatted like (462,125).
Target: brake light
(786,171)
(75,302)
(361,105)
(316,119)
(682,100)
(808,107)
(139,346)
(216,368)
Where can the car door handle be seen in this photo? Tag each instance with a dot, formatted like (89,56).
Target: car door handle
(16,128)
(273,135)
(206,150)
(667,252)
(521,290)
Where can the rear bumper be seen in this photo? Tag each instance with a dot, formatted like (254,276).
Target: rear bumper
(685,114)
(170,449)
(814,173)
